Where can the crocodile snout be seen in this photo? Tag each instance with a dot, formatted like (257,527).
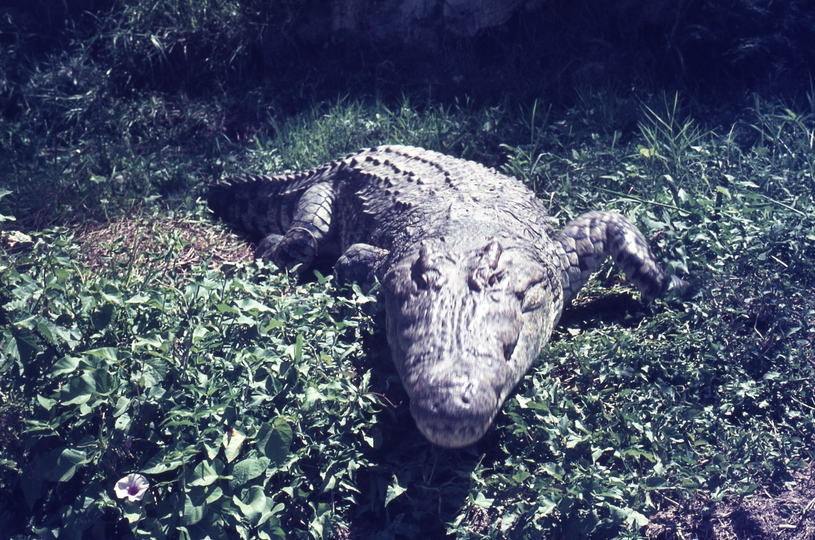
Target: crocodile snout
(454,415)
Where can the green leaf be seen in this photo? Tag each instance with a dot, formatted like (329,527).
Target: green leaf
(249,304)
(724,191)
(195,505)
(482,502)
(79,391)
(133,511)
(23,347)
(277,442)
(247,469)
(395,489)
(67,364)
(204,474)
(46,403)
(255,503)
(102,318)
(47,329)
(66,465)
(313,396)
(160,464)
(154,340)
(232,442)
(214,495)
(298,349)
(520,477)
(106,353)
(199,333)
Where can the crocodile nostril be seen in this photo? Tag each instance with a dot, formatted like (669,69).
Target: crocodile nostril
(467,395)
(509,348)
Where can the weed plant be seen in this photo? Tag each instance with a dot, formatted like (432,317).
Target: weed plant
(258,407)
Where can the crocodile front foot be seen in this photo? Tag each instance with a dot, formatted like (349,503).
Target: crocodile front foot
(297,246)
(359,264)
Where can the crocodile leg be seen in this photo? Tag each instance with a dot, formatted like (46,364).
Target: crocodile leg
(359,263)
(585,242)
(308,233)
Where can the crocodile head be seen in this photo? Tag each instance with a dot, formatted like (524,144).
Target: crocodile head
(466,319)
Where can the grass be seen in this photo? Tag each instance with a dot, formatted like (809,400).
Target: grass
(140,336)
(260,407)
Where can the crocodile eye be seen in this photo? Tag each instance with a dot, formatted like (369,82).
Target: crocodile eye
(534,297)
(429,279)
(496,278)
(483,273)
(424,272)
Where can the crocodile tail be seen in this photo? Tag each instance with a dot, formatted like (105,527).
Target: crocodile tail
(257,205)
(586,242)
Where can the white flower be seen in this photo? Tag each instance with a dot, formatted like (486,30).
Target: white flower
(133,486)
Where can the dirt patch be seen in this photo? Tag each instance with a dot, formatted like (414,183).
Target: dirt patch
(159,245)
(786,515)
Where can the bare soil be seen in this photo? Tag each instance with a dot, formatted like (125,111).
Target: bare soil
(165,245)
(786,515)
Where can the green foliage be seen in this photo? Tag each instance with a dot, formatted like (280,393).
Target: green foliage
(215,387)
(258,407)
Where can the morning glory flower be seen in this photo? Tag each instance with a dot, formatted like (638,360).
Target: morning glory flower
(133,486)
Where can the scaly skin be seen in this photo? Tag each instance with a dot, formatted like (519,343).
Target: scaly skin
(473,278)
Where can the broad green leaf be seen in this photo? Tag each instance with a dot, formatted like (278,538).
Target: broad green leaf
(106,353)
(66,465)
(47,329)
(46,403)
(79,391)
(554,469)
(122,422)
(232,442)
(203,474)
(545,507)
(195,505)
(160,463)
(154,340)
(313,395)
(482,502)
(104,382)
(521,476)
(272,324)
(248,321)
(248,304)
(395,489)
(199,333)
(114,298)
(255,503)
(629,515)
(22,347)
(133,511)
(67,364)
(214,495)
(298,349)
(248,469)
(276,445)
(211,450)
(102,318)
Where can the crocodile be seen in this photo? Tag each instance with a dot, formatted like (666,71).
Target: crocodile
(473,277)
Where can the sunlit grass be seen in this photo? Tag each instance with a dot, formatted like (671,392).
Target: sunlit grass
(116,372)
